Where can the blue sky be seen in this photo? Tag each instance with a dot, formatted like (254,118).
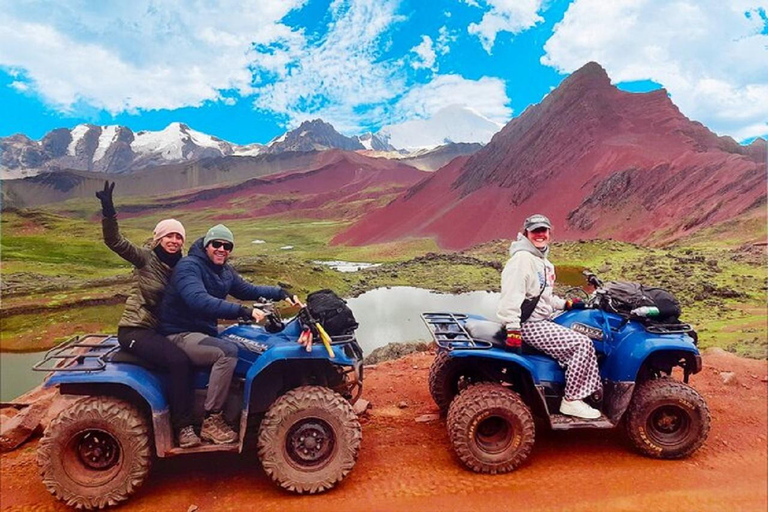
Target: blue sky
(247,71)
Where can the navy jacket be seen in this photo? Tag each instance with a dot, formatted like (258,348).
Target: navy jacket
(194,299)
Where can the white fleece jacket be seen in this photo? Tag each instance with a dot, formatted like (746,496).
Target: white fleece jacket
(524,274)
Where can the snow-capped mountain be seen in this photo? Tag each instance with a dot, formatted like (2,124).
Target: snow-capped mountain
(110,149)
(315,135)
(455,123)
(372,142)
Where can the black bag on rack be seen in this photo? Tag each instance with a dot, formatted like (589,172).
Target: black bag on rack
(626,296)
(332,312)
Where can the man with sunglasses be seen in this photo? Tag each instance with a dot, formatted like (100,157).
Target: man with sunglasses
(194,301)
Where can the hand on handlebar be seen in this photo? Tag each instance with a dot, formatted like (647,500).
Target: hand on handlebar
(294,301)
(258,315)
(574,303)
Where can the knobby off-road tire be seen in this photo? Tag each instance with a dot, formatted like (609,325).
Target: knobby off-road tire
(667,419)
(96,453)
(447,376)
(309,440)
(491,429)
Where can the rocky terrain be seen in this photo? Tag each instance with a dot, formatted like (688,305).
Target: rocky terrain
(406,462)
(598,161)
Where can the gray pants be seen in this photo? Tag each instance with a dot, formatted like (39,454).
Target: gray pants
(221,355)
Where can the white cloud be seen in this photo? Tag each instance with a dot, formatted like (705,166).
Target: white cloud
(444,39)
(425,54)
(339,77)
(512,16)
(486,96)
(137,55)
(708,54)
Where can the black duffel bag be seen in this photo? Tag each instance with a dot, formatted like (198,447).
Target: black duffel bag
(332,312)
(622,297)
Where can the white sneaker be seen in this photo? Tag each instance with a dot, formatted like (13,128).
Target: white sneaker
(578,408)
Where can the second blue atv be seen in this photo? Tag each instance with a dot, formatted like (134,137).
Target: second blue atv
(298,403)
(492,394)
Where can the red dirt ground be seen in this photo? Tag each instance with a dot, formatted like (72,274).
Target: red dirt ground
(406,465)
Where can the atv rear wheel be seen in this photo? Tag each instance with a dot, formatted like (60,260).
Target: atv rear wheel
(667,419)
(96,453)
(447,377)
(309,440)
(491,429)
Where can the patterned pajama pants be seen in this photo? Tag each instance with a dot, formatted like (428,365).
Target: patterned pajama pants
(574,350)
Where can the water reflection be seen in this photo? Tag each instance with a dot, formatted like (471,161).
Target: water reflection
(17,377)
(389,315)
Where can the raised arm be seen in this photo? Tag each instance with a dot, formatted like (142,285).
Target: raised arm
(111,232)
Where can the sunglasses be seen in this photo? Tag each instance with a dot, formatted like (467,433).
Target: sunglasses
(218,244)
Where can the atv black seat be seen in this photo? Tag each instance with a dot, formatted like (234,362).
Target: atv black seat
(496,334)
(123,356)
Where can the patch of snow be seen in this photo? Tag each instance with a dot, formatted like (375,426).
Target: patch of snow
(258,241)
(278,140)
(347,266)
(107,137)
(286,247)
(249,150)
(303,133)
(455,123)
(17,174)
(78,132)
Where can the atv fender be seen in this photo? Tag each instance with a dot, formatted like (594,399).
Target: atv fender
(290,352)
(638,345)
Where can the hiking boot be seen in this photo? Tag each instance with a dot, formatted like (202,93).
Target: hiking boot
(216,430)
(188,438)
(579,409)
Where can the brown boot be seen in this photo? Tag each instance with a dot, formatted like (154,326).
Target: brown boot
(216,430)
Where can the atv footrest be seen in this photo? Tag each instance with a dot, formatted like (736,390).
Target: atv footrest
(204,448)
(564,422)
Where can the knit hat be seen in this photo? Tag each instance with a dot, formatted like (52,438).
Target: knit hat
(535,222)
(166,227)
(218,232)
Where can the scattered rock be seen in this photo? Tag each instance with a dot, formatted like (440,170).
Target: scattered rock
(370,366)
(426,418)
(395,351)
(192,508)
(714,351)
(402,405)
(16,430)
(361,406)
(728,378)
(764,379)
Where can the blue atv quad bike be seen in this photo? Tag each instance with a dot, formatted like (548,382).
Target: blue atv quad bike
(99,451)
(492,394)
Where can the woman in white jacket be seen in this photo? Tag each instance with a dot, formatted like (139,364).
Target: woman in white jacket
(527,275)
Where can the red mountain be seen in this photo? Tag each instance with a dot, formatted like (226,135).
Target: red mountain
(338,184)
(598,161)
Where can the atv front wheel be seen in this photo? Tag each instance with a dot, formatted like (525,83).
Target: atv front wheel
(491,429)
(667,419)
(309,440)
(447,377)
(96,453)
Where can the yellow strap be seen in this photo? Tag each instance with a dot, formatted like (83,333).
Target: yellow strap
(326,340)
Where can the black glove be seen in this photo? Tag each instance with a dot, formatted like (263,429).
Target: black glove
(105,196)
(285,294)
(246,313)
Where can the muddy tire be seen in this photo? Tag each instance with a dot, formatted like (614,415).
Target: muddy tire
(447,377)
(96,453)
(309,440)
(491,429)
(667,419)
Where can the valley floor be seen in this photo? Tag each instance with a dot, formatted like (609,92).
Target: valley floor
(405,465)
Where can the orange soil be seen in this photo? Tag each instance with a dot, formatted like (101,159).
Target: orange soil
(406,465)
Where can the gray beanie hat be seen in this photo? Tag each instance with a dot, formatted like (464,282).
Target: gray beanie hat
(535,222)
(218,232)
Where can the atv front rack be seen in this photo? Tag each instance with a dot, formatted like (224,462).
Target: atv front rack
(85,353)
(448,331)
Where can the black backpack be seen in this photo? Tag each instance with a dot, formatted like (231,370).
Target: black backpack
(332,312)
(622,297)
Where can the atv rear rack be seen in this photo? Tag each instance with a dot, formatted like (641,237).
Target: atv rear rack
(448,331)
(85,353)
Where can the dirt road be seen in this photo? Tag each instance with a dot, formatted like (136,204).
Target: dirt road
(405,465)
